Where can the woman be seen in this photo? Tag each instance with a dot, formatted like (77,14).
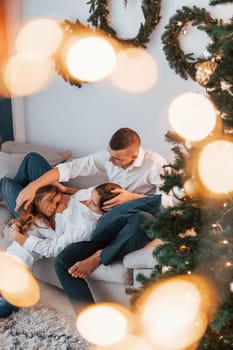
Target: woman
(53,221)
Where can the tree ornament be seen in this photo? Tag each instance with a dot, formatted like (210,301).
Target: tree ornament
(165,269)
(190,188)
(183,248)
(204,72)
(179,192)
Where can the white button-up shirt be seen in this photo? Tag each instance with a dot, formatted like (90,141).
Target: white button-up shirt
(142,176)
(74,224)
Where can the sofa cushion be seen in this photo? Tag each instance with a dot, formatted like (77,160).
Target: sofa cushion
(141,258)
(53,155)
(9,164)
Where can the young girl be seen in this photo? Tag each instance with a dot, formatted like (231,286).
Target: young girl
(55,220)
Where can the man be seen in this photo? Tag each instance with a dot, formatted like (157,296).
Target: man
(137,171)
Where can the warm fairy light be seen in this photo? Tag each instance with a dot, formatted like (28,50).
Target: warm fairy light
(135,70)
(225,241)
(192,116)
(17,284)
(42,35)
(129,342)
(174,312)
(91,59)
(27,72)
(228,263)
(215,166)
(104,323)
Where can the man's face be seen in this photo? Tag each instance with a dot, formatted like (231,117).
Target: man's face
(123,157)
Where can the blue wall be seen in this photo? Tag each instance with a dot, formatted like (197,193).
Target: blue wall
(6,124)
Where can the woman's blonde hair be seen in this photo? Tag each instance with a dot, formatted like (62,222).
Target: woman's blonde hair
(32,215)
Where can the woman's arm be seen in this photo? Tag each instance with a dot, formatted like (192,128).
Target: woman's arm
(27,195)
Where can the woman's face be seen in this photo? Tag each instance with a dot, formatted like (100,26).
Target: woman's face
(49,203)
(93,203)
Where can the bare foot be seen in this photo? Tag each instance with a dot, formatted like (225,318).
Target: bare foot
(83,268)
(155,243)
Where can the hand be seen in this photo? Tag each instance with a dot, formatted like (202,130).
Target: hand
(65,189)
(123,196)
(16,235)
(25,197)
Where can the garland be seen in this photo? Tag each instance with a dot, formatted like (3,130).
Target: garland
(217,2)
(184,64)
(151,12)
(100,20)
(214,72)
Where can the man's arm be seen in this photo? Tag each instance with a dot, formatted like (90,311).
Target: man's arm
(123,196)
(27,195)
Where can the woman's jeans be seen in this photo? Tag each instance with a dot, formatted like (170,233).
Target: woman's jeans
(118,233)
(33,166)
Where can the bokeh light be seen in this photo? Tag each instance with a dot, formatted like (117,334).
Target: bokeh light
(17,284)
(135,70)
(91,59)
(192,116)
(41,34)
(129,342)
(104,323)
(172,312)
(215,167)
(27,72)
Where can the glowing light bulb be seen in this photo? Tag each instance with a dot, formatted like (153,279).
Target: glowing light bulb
(27,72)
(192,116)
(17,284)
(174,312)
(135,70)
(215,167)
(104,323)
(91,59)
(129,342)
(41,34)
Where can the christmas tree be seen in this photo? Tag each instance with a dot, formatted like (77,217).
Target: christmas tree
(198,235)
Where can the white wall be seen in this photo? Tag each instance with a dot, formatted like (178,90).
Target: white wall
(84,119)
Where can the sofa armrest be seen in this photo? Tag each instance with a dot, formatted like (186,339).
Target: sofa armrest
(53,155)
(140,259)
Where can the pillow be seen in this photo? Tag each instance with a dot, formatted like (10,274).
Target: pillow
(53,155)
(9,164)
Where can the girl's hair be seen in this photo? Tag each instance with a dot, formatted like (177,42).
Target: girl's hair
(104,190)
(29,217)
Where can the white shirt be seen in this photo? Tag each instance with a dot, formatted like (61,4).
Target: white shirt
(142,176)
(74,224)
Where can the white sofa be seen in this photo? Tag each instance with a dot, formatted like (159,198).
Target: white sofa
(108,283)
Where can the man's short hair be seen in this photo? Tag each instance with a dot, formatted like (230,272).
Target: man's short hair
(124,138)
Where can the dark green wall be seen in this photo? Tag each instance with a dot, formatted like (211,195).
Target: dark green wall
(6,124)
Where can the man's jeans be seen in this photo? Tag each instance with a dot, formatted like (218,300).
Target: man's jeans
(32,167)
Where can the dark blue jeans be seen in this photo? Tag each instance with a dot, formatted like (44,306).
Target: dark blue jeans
(33,166)
(118,233)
